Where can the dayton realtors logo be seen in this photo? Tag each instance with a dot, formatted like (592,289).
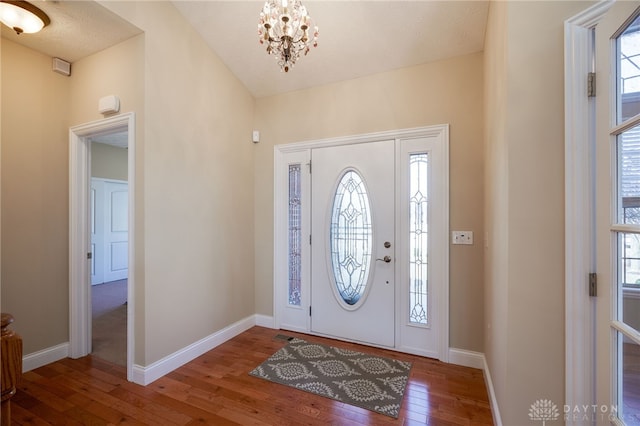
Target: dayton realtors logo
(544,409)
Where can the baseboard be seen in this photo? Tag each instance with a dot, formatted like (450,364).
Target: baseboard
(145,375)
(46,356)
(497,420)
(477,360)
(265,321)
(466,358)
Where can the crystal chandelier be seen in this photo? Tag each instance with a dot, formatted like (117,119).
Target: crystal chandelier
(284,27)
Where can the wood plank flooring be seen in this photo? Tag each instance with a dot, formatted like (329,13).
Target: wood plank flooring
(216,389)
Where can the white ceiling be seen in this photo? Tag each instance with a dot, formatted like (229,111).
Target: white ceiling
(356,38)
(78,29)
(118,139)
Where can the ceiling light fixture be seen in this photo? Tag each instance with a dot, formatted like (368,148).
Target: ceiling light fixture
(284,27)
(22,16)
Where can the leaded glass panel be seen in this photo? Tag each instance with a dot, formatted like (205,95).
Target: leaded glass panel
(351,237)
(295,237)
(418,241)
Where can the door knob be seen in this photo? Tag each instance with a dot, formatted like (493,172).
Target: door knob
(386,259)
(387,244)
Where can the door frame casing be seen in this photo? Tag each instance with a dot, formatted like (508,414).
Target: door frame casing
(302,150)
(579,206)
(79,233)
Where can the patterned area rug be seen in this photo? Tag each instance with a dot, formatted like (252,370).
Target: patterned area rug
(355,378)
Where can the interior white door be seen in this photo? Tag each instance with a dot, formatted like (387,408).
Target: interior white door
(97,231)
(617,339)
(353,242)
(109,230)
(116,236)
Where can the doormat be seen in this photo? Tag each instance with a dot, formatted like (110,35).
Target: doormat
(372,382)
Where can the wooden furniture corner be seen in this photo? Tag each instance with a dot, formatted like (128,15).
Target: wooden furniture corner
(11,371)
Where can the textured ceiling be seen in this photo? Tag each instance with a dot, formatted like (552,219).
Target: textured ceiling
(357,38)
(78,29)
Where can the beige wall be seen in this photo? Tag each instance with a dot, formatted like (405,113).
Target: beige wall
(204,213)
(198,185)
(436,93)
(524,335)
(194,183)
(35,121)
(35,169)
(496,289)
(108,162)
(119,70)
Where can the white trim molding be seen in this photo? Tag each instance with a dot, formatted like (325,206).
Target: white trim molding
(579,206)
(265,321)
(143,375)
(467,358)
(478,360)
(493,401)
(45,356)
(79,275)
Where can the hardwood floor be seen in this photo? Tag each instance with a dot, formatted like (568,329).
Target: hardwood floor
(216,389)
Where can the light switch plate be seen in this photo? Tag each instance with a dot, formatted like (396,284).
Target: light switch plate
(462,237)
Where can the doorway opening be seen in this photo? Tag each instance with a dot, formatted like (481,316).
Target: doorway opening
(354,267)
(109,246)
(109,134)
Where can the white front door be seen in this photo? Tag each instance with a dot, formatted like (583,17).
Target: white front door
(617,339)
(353,246)
(361,239)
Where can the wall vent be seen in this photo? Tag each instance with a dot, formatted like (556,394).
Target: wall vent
(61,66)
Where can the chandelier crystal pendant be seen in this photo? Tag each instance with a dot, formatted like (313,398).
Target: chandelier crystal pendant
(284,27)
